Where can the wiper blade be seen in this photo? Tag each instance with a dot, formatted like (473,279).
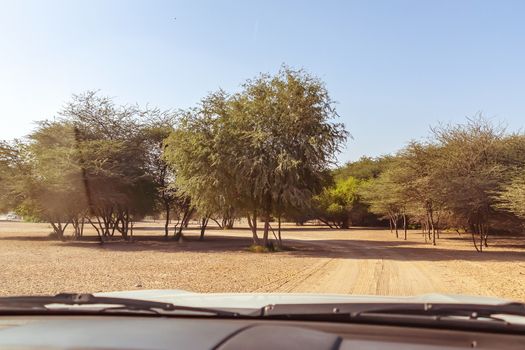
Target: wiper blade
(503,318)
(472,311)
(29,303)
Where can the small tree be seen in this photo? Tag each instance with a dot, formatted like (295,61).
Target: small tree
(415,174)
(158,127)
(468,169)
(111,154)
(51,185)
(334,204)
(195,154)
(386,198)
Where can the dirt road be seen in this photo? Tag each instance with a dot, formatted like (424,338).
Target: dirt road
(373,262)
(355,261)
(359,269)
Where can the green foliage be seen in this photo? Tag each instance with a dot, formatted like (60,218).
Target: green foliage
(365,168)
(193,152)
(334,204)
(48,179)
(461,178)
(257,248)
(384,195)
(512,196)
(90,163)
(111,145)
(270,248)
(10,166)
(265,150)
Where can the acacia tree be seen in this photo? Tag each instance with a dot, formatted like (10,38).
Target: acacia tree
(468,169)
(158,127)
(111,154)
(288,139)
(265,148)
(50,185)
(416,175)
(11,165)
(197,154)
(387,198)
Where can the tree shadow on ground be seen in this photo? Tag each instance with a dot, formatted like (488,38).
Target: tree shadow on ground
(351,248)
(402,251)
(399,250)
(272,224)
(27,238)
(211,244)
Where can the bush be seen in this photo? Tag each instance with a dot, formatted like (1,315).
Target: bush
(255,248)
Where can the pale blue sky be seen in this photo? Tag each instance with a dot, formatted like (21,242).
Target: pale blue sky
(395,67)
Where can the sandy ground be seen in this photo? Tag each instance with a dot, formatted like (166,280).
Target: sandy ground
(355,261)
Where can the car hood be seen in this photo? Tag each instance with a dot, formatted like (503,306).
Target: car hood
(258,300)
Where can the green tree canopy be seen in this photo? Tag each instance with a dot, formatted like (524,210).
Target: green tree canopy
(263,149)
(335,203)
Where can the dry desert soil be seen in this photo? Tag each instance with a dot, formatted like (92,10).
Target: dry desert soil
(320,260)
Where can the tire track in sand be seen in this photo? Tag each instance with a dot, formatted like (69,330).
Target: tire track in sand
(355,268)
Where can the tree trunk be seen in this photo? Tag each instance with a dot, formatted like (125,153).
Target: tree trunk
(97,228)
(481,238)
(429,227)
(486,236)
(405,225)
(184,223)
(229,223)
(437,224)
(326,223)
(75,222)
(126,219)
(178,233)
(279,231)
(82,226)
(478,230)
(345,223)
(167,222)
(219,224)
(59,230)
(266,230)
(431,218)
(395,226)
(253,225)
(204,224)
(474,241)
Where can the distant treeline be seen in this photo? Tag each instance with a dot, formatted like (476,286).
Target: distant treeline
(266,154)
(469,178)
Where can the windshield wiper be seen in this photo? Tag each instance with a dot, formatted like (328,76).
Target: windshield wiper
(356,310)
(108,304)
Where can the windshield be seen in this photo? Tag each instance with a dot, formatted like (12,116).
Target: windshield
(344,149)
